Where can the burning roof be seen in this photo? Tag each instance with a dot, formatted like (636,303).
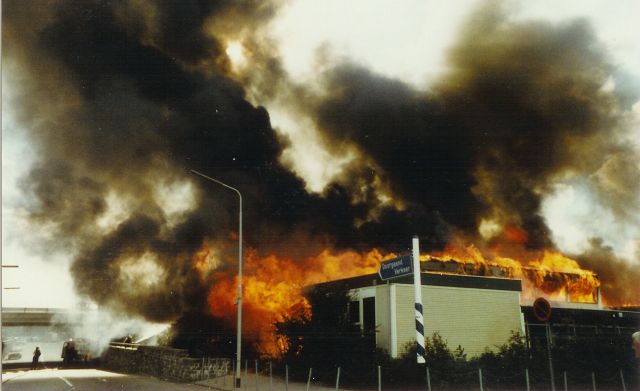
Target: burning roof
(555,285)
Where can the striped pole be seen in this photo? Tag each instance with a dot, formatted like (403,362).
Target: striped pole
(417,285)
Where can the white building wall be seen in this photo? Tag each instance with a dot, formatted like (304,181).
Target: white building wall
(383,317)
(475,319)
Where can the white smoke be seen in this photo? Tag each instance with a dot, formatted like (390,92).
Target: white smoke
(99,326)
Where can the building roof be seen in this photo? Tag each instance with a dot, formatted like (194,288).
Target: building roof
(430,279)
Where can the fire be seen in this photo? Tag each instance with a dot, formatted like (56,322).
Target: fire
(273,286)
(515,235)
(576,284)
(547,273)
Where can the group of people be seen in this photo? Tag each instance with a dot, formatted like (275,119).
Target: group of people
(69,353)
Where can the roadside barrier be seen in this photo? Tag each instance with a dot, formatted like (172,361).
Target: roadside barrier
(174,364)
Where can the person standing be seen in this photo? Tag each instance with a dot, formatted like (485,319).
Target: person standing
(36,358)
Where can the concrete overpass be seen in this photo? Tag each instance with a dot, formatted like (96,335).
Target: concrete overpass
(12,316)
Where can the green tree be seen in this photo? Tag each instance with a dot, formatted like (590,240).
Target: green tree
(327,339)
(506,366)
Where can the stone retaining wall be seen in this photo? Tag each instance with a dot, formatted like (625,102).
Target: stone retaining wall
(166,363)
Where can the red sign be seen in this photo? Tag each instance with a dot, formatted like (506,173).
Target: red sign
(542,309)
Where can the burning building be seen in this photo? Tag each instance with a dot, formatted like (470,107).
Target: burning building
(479,306)
(116,103)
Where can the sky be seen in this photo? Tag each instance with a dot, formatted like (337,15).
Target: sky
(407,41)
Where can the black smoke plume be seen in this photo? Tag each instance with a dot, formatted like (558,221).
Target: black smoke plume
(116,105)
(121,99)
(614,273)
(521,105)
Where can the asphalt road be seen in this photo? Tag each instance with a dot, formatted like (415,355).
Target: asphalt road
(53,379)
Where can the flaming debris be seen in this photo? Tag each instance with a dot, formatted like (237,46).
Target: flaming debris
(121,99)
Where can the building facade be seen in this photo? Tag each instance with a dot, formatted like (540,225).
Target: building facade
(473,312)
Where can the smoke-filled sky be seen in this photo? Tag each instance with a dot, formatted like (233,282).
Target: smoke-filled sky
(344,125)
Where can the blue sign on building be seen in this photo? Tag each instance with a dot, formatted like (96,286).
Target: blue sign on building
(397,267)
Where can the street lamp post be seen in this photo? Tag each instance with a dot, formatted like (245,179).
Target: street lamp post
(239,301)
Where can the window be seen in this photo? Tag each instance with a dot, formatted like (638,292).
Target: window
(369,313)
(354,312)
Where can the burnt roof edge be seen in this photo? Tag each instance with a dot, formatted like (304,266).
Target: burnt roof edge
(430,279)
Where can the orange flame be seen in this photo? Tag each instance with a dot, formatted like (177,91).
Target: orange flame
(547,273)
(515,235)
(273,287)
